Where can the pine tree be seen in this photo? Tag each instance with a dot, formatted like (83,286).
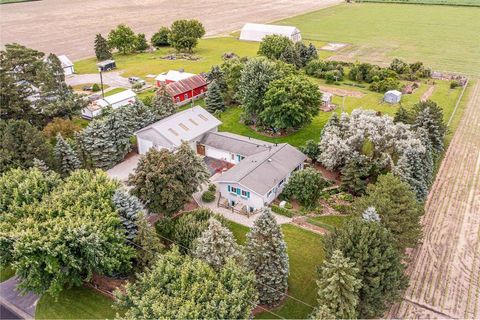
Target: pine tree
(289,55)
(402,115)
(409,168)
(312,52)
(129,208)
(102,51)
(217,74)
(162,104)
(338,288)
(213,99)
(40,165)
(216,245)
(428,158)
(99,144)
(372,249)
(425,119)
(322,312)
(139,116)
(149,242)
(266,255)
(370,215)
(302,53)
(66,156)
(354,175)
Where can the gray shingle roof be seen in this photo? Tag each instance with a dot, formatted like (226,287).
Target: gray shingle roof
(264,170)
(235,143)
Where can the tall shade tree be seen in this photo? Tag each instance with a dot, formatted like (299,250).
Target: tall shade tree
(148,243)
(71,233)
(66,157)
(290,103)
(141,43)
(273,46)
(122,38)
(102,51)
(21,144)
(429,116)
(216,245)
(266,255)
(184,34)
(338,287)
(180,287)
(213,98)
(160,38)
(398,208)
(310,148)
(165,181)
(305,186)
(372,249)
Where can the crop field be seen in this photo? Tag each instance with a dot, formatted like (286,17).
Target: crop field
(475,3)
(444,273)
(445,38)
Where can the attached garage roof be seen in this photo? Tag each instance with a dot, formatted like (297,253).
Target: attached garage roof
(185,85)
(256,32)
(264,170)
(235,143)
(182,126)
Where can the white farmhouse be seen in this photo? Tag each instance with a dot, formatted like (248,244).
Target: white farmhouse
(67,65)
(392,96)
(115,101)
(256,32)
(188,125)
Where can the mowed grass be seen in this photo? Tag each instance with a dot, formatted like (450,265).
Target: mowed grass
(475,3)
(442,94)
(329,222)
(76,303)
(6,273)
(305,252)
(443,37)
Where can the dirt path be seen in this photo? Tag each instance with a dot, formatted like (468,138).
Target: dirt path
(341,92)
(427,94)
(445,272)
(69,26)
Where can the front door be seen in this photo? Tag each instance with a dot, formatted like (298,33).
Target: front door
(200,149)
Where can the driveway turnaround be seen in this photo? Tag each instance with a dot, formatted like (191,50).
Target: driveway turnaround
(112,79)
(23,306)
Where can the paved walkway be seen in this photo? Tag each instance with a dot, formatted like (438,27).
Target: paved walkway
(111,78)
(235,217)
(23,306)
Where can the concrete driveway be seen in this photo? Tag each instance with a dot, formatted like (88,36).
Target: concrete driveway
(111,78)
(23,306)
(122,170)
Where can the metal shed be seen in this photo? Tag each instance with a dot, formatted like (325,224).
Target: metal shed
(392,96)
(256,32)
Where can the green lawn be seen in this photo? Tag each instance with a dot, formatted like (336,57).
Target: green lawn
(6,273)
(329,222)
(443,37)
(76,303)
(475,3)
(114,91)
(442,94)
(305,251)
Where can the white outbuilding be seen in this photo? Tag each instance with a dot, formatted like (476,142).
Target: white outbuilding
(67,65)
(256,32)
(392,96)
(115,101)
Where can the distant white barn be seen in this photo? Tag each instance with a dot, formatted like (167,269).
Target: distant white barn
(256,32)
(392,96)
(67,65)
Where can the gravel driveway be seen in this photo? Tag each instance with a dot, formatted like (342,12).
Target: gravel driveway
(111,78)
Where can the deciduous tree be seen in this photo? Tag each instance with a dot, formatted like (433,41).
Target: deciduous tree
(306,186)
(122,38)
(184,34)
(273,46)
(160,38)
(162,104)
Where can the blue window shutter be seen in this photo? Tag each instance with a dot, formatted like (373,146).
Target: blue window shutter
(228,188)
(238,191)
(248,194)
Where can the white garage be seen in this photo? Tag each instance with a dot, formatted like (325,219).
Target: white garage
(67,65)
(256,32)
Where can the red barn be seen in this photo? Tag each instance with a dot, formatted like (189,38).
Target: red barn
(172,76)
(184,90)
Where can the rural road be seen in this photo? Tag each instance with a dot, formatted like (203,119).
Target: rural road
(445,268)
(69,26)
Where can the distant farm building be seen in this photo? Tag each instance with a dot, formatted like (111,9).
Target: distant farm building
(187,89)
(115,101)
(172,76)
(256,32)
(106,65)
(392,96)
(67,65)
(326,98)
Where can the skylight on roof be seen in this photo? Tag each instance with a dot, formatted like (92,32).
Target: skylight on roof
(201,116)
(173,131)
(193,121)
(184,127)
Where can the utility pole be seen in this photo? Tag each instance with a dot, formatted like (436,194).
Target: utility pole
(101,82)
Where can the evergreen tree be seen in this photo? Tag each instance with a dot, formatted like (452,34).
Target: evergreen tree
(322,312)
(338,288)
(409,167)
(213,99)
(370,214)
(139,116)
(302,54)
(53,78)
(402,115)
(129,208)
(397,207)
(217,74)
(102,51)
(149,242)
(426,119)
(429,156)
(354,175)
(311,150)
(216,245)
(290,55)
(40,165)
(372,249)
(66,156)
(266,255)
(312,52)
(192,170)
(162,104)
(99,145)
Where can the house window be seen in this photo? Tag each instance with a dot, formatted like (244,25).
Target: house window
(240,157)
(233,190)
(177,99)
(185,96)
(245,194)
(269,193)
(281,182)
(232,156)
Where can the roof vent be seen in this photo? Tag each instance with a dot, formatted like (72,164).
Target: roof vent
(269,160)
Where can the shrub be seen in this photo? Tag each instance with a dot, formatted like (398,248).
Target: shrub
(208,196)
(282,211)
(95,87)
(160,38)
(137,85)
(59,125)
(454,84)
(212,187)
